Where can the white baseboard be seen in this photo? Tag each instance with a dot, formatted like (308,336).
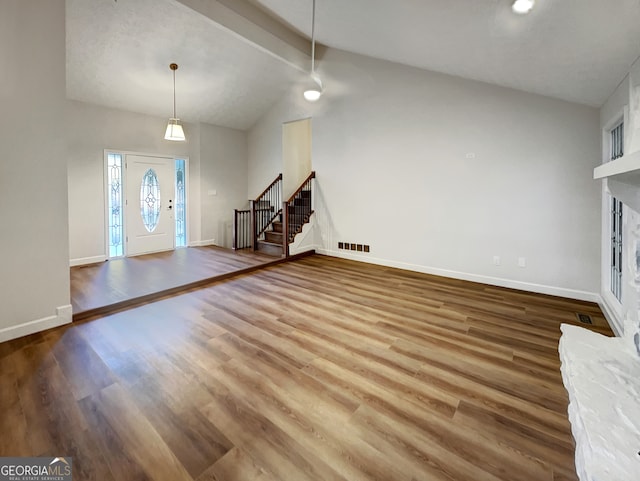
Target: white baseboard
(62,316)
(307,248)
(202,243)
(614,321)
(81,261)
(493,281)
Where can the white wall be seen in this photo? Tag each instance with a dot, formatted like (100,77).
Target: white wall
(223,181)
(217,156)
(34,277)
(296,155)
(265,157)
(440,174)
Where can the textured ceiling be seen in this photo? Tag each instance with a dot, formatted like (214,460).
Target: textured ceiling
(118,52)
(118,55)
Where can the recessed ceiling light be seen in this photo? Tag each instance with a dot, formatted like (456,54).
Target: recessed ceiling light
(522,6)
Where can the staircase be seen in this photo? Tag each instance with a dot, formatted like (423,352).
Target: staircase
(299,210)
(272,242)
(269,226)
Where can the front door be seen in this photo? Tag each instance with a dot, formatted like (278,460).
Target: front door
(149,205)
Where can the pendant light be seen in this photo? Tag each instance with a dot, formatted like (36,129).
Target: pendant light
(522,7)
(174,129)
(313,89)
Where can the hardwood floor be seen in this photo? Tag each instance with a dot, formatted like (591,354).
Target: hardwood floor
(320,369)
(97,289)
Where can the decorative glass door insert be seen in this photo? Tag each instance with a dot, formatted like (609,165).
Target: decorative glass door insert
(114,199)
(150,202)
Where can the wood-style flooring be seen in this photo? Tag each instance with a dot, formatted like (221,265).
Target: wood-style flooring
(319,369)
(119,283)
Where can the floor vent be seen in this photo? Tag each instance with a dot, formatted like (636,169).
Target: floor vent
(584,318)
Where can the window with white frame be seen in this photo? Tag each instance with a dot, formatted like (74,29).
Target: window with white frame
(114,199)
(180,210)
(616,248)
(617,141)
(616,150)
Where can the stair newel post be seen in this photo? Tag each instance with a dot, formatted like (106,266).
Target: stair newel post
(285,229)
(253,227)
(312,188)
(280,193)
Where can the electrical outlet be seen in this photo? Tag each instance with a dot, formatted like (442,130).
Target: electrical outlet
(496,260)
(522,262)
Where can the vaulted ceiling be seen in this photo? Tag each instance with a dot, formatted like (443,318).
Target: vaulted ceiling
(237,57)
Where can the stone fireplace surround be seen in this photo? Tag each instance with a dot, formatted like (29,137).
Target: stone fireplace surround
(602,376)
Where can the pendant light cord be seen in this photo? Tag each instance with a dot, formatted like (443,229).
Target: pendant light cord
(313,38)
(174,93)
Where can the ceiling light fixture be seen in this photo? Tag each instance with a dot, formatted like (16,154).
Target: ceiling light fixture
(522,6)
(174,129)
(313,89)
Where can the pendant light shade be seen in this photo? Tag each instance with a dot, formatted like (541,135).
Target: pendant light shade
(313,89)
(312,94)
(522,6)
(174,128)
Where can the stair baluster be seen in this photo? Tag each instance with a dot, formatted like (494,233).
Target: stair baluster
(241,229)
(265,209)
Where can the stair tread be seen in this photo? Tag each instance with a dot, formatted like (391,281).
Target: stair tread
(270,248)
(269,243)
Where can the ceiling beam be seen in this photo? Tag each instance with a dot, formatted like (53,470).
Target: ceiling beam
(250,23)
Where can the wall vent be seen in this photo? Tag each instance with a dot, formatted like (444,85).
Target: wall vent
(584,318)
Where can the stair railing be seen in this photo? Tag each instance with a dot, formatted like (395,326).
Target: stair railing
(296,212)
(264,209)
(242,234)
